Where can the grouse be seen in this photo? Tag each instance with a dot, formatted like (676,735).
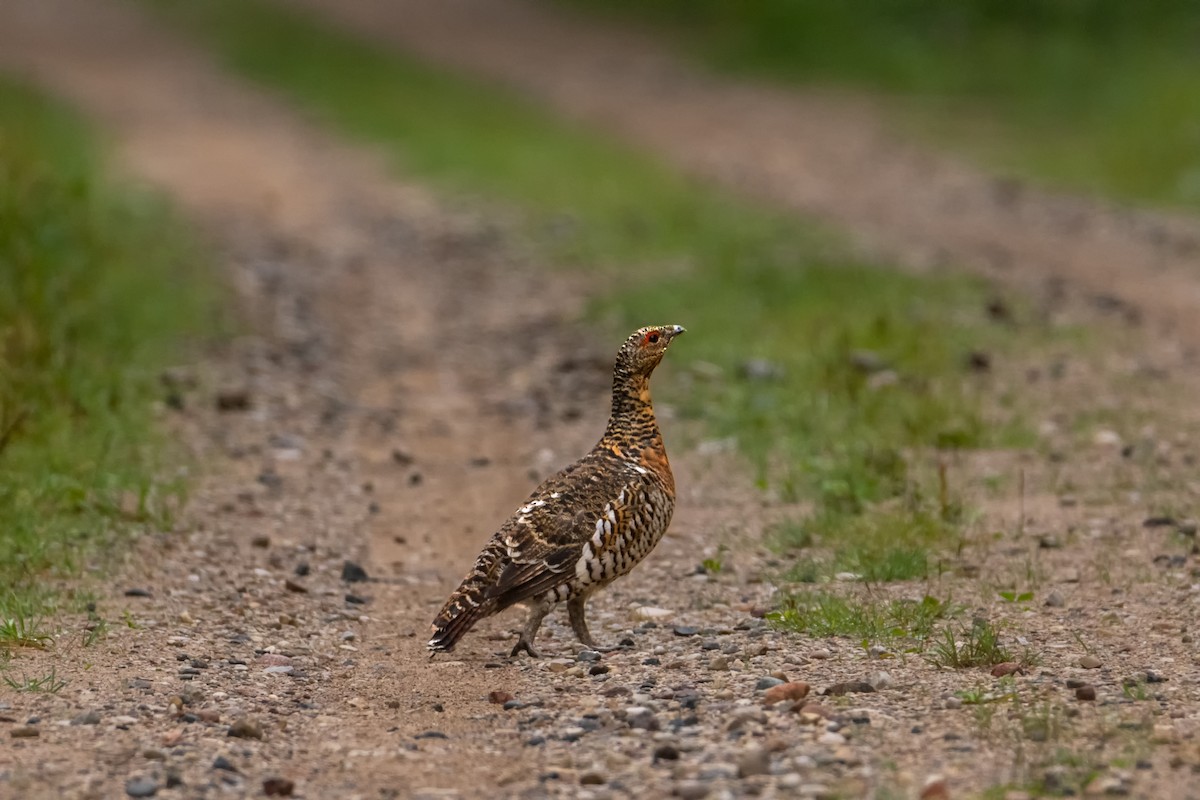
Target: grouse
(583,527)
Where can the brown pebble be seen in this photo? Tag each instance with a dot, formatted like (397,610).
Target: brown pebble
(209,715)
(245,728)
(795,690)
(499,697)
(278,787)
(233,399)
(849,686)
(26,732)
(935,790)
(1085,692)
(261,540)
(1007,668)
(1090,662)
(292,586)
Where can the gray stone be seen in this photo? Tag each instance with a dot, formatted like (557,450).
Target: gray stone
(141,786)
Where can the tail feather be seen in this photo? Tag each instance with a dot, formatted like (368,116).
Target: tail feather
(469,603)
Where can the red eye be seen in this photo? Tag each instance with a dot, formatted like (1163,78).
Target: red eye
(652,337)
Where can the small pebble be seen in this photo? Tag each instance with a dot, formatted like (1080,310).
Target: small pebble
(666,752)
(753,761)
(1085,692)
(224,764)
(1090,662)
(849,686)
(796,690)
(245,728)
(278,787)
(141,786)
(353,573)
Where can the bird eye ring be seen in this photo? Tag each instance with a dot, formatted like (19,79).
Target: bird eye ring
(652,337)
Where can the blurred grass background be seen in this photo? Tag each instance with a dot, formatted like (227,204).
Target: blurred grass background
(1102,95)
(99,289)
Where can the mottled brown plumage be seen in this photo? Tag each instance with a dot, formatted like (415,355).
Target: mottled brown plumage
(584,527)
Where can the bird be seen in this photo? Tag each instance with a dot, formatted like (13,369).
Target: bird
(584,526)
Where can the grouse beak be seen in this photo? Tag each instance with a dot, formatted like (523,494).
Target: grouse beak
(675,330)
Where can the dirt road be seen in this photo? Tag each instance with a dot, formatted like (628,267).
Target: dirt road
(820,152)
(408,382)
(408,375)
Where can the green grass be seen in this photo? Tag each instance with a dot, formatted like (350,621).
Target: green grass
(977,646)
(837,378)
(49,683)
(865,619)
(1099,94)
(96,293)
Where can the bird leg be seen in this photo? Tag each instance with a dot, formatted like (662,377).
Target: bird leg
(537,613)
(575,608)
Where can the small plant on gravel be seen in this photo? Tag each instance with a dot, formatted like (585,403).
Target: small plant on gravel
(22,631)
(976,646)
(48,684)
(872,621)
(716,563)
(1135,689)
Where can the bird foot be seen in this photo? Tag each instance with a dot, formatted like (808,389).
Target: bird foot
(522,644)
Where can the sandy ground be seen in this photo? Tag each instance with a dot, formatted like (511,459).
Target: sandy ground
(409,373)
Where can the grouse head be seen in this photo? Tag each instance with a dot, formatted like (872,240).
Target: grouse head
(644,349)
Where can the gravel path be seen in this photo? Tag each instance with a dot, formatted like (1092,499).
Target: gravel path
(405,377)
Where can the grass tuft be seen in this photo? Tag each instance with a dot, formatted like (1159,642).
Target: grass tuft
(49,683)
(96,294)
(864,619)
(976,646)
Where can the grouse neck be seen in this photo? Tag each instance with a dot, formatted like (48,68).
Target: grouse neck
(632,425)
